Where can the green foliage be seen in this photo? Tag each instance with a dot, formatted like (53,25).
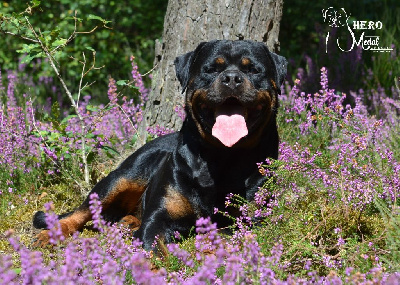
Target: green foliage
(391,216)
(385,66)
(60,143)
(123,28)
(322,187)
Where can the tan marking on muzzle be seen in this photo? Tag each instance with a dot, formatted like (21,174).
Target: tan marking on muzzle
(274,84)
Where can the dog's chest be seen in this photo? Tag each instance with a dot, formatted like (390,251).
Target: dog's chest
(213,173)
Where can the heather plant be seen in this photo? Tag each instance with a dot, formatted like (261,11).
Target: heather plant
(50,45)
(50,137)
(113,258)
(335,161)
(39,137)
(328,212)
(18,149)
(315,221)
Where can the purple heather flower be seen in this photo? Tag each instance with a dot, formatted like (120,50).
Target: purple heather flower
(181,254)
(7,273)
(180,111)
(95,209)
(11,99)
(307,265)
(55,232)
(341,241)
(177,235)
(159,131)
(137,77)
(112,91)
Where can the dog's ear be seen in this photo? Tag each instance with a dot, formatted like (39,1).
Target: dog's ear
(183,63)
(281,69)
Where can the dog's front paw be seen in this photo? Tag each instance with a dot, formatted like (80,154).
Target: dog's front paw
(131,222)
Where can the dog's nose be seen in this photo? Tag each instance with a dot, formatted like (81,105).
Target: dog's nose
(232,79)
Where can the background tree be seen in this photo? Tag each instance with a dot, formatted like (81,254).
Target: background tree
(186,24)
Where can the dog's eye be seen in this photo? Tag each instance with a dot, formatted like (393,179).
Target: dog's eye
(210,69)
(250,69)
(253,70)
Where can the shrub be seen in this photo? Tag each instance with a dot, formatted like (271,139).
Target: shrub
(36,138)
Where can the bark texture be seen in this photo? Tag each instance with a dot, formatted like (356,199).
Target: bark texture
(189,22)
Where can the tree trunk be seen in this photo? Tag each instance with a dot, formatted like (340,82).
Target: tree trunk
(189,22)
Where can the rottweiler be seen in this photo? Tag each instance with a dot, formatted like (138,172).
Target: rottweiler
(231,104)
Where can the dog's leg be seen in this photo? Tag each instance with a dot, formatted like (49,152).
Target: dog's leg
(165,208)
(119,195)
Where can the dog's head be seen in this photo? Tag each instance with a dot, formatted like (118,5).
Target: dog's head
(231,89)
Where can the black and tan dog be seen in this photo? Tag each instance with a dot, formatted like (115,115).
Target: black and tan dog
(231,104)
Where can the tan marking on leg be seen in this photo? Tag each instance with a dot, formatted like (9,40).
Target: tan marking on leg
(126,195)
(69,225)
(177,205)
(75,222)
(131,222)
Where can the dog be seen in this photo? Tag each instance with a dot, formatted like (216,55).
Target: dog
(231,103)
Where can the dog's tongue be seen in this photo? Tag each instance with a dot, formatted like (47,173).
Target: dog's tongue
(229,129)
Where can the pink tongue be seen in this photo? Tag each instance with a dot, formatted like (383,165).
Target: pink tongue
(229,129)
